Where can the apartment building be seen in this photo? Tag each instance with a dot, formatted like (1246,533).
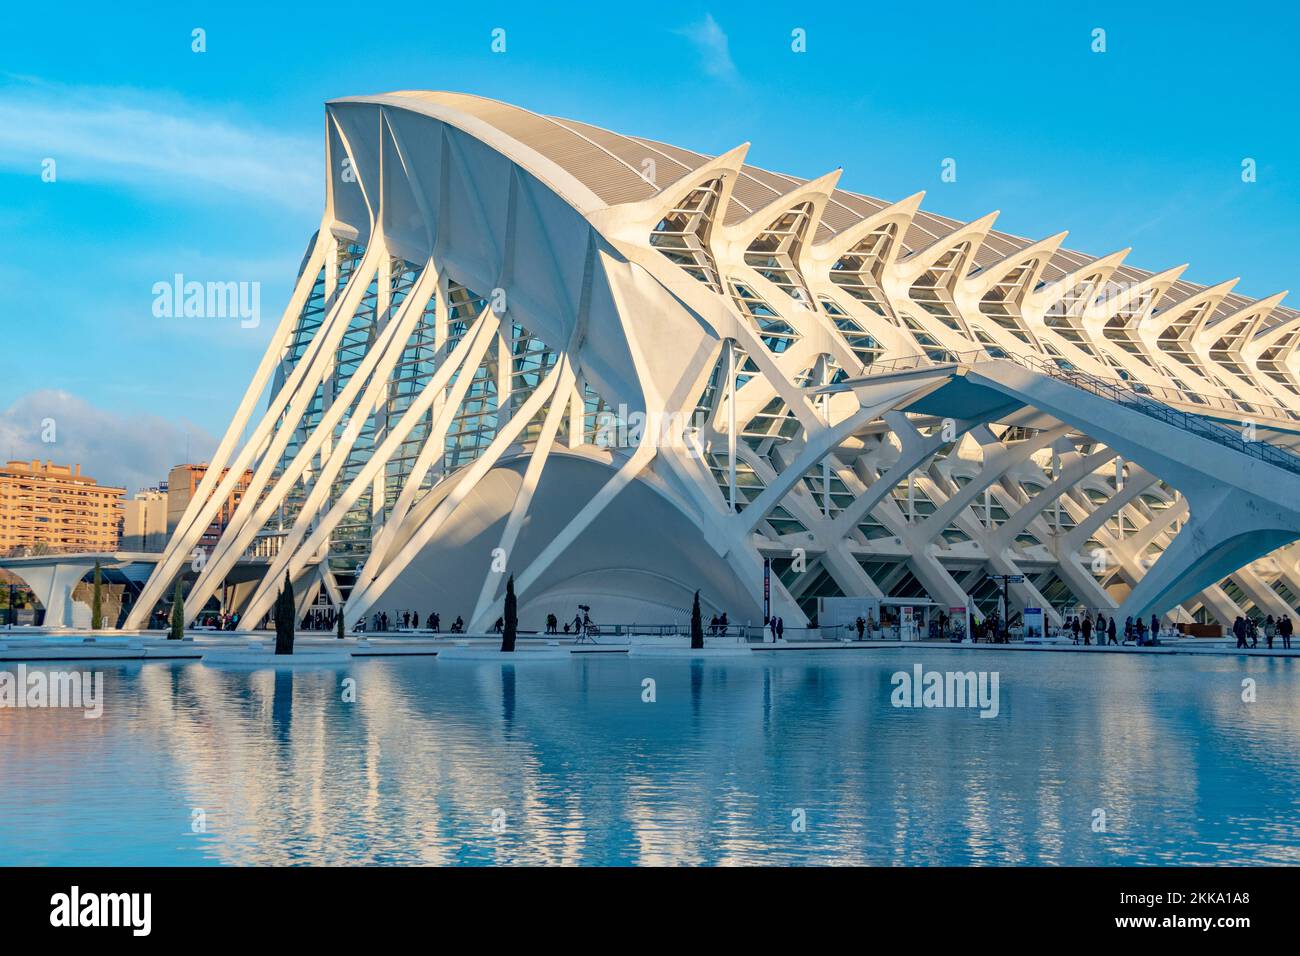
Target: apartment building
(56,508)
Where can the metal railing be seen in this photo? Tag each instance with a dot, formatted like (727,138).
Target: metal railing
(1134,395)
(909,363)
(1124,393)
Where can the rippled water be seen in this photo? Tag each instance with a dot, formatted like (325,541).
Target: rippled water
(573,767)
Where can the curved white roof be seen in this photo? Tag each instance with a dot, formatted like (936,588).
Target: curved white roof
(610,165)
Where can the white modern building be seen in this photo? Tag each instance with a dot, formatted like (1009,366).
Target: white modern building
(622,371)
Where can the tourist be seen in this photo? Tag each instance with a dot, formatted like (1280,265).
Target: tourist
(1128,630)
(780,628)
(1087,631)
(1270,631)
(861,626)
(551,623)
(713,626)
(1284,628)
(1252,631)
(1141,633)
(457,626)
(771,626)
(1155,630)
(1110,632)
(1239,631)
(1074,628)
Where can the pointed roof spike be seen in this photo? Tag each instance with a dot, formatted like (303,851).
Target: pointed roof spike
(912,266)
(817,190)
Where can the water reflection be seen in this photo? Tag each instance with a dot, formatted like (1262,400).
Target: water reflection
(565,763)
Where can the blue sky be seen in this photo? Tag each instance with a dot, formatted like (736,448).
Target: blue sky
(208,164)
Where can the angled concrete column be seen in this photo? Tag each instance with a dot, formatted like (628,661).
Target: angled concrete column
(1227,529)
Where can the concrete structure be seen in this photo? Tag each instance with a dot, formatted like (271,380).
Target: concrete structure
(55,508)
(621,371)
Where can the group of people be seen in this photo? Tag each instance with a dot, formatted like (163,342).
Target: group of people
(990,630)
(1246,631)
(408,620)
(718,625)
(1105,630)
(319,619)
(776,625)
(161,618)
(581,623)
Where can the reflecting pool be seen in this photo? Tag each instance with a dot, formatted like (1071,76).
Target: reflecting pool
(785,758)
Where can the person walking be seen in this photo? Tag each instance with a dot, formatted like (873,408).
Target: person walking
(1074,628)
(1284,628)
(1239,631)
(1087,631)
(1270,631)
(1252,631)
(1110,632)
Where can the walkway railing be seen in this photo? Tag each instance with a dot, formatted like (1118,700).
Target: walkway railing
(1135,395)
(1131,396)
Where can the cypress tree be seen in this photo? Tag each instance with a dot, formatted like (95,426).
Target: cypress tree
(511,625)
(178,615)
(97,601)
(697,625)
(285,612)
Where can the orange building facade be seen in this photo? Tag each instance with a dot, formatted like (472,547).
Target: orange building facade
(183,483)
(56,507)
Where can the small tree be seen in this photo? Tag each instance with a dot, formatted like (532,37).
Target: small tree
(697,625)
(285,612)
(511,625)
(178,615)
(97,601)
(340,622)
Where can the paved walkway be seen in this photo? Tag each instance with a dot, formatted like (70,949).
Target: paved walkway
(34,644)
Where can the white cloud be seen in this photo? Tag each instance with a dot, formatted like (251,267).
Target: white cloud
(130,451)
(711,43)
(152,141)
